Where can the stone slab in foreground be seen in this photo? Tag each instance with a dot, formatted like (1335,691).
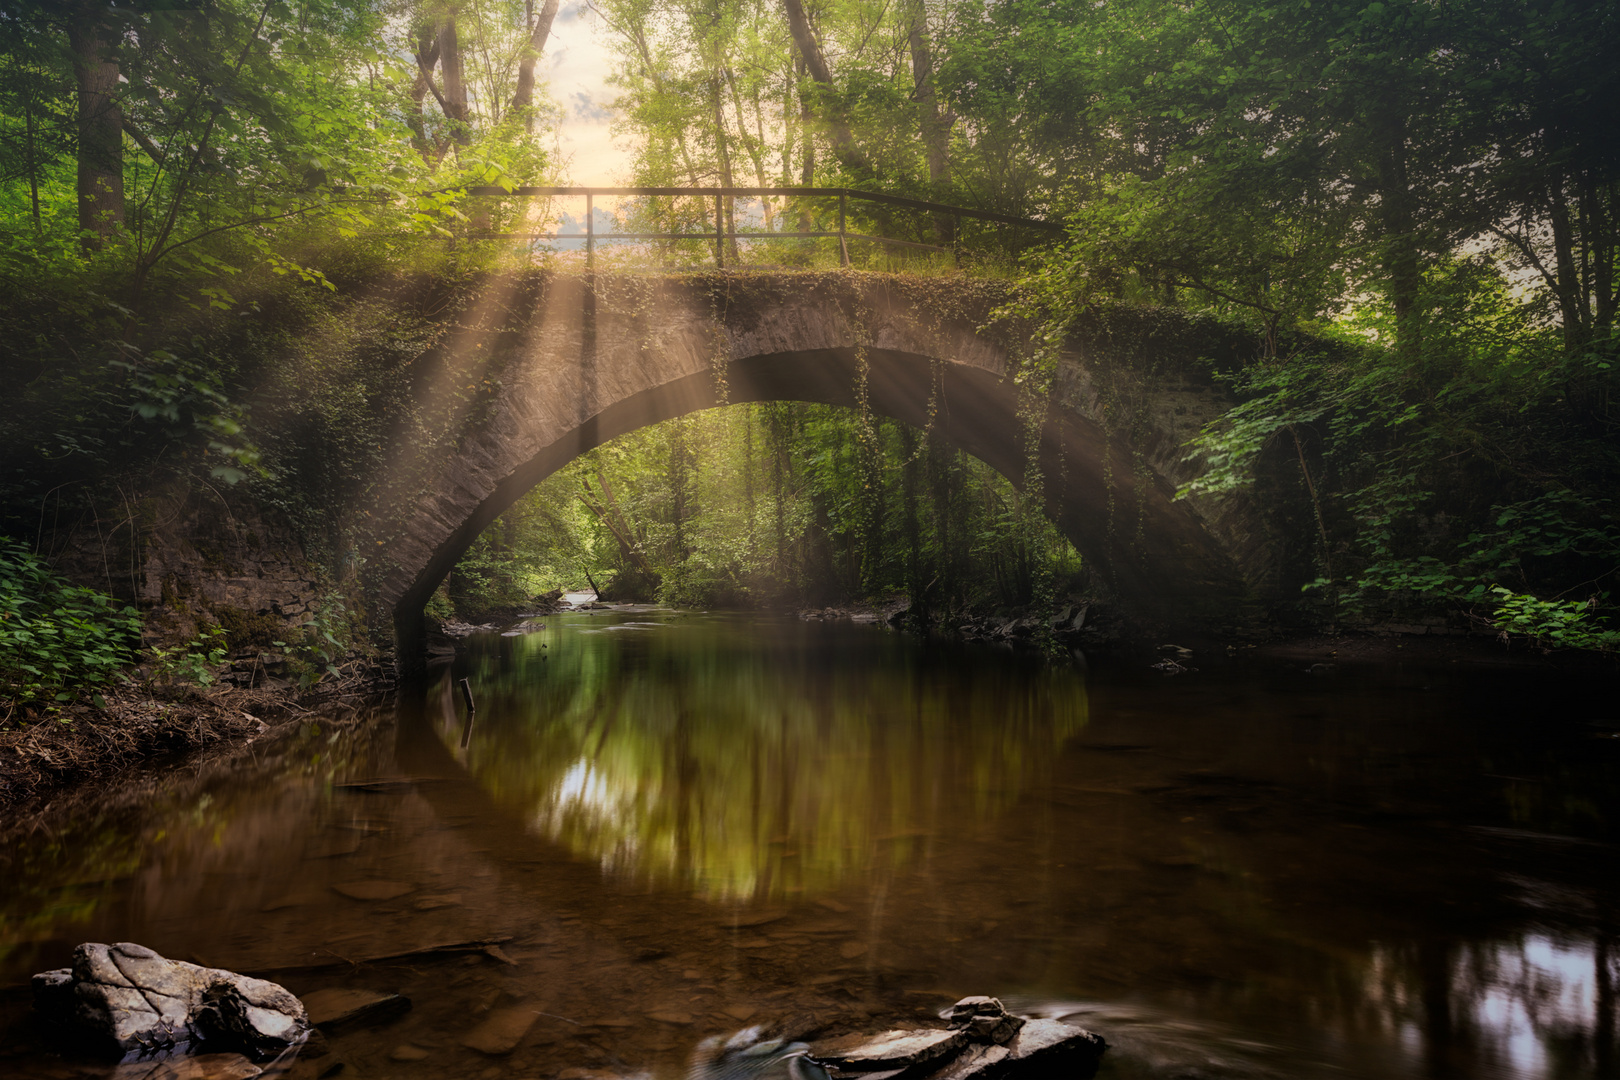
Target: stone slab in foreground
(982,1041)
(127,1002)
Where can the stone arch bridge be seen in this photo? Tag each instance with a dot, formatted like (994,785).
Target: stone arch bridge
(532,370)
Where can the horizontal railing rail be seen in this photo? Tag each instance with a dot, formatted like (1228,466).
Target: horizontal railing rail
(721,234)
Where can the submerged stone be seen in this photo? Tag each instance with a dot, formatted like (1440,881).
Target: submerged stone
(373,890)
(201,1067)
(913,1052)
(502,1030)
(343,1007)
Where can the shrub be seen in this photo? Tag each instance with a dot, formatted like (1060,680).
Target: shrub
(56,637)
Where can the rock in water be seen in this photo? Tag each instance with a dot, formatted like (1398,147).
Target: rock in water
(985,1019)
(126,1001)
(502,1030)
(1052,1048)
(984,1042)
(912,1052)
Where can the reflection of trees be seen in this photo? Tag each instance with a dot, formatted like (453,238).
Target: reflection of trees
(750,760)
(1534,1005)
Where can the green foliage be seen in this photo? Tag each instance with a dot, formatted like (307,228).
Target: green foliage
(57,638)
(1565,623)
(782,503)
(322,642)
(193,661)
(268,150)
(1450,474)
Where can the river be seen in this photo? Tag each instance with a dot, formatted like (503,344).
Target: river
(662,825)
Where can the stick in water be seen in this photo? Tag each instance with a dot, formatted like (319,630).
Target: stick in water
(466,729)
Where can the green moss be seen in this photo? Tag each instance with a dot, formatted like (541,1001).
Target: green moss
(248,629)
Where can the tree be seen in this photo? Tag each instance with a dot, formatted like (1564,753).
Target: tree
(92,35)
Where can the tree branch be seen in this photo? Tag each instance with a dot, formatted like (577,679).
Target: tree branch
(142,141)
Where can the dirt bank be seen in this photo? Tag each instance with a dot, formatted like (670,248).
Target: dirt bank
(83,745)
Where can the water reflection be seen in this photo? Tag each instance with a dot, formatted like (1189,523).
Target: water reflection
(752,760)
(674,826)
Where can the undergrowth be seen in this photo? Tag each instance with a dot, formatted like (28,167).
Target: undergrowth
(57,640)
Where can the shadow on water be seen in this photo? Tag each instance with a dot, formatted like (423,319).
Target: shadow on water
(666,826)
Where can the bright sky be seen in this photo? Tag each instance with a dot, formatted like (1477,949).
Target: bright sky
(577,63)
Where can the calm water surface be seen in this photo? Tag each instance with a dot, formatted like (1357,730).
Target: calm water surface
(669,825)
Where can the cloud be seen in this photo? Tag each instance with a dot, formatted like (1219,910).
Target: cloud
(585,108)
(569,12)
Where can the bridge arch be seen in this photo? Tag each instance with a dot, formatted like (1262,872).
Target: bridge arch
(577,361)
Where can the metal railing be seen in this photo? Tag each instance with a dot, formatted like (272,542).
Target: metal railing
(721,233)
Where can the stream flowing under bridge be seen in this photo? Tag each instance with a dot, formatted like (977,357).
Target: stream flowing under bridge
(530,370)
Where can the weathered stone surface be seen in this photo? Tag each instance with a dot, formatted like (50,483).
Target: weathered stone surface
(975,1063)
(502,1030)
(1052,1048)
(985,1042)
(126,1001)
(914,1051)
(337,1008)
(985,1019)
(583,362)
(373,890)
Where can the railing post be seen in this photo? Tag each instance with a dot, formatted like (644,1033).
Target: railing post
(590,230)
(719,232)
(843,241)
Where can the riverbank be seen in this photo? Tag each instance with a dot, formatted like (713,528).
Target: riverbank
(1101,632)
(85,746)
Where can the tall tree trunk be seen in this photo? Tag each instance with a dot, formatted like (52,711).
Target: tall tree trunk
(427,58)
(455,82)
(539,31)
(1572,295)
(807,171)
(935,125)
(754,147)
(779,452)
(723,153)
(101,133)
(815,64)
(1403,270)
(33,173)
(637,34)
(908,477)
(1602,236)
(748,480)
(678,469)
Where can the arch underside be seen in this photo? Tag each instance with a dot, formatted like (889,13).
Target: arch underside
(1152,551)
